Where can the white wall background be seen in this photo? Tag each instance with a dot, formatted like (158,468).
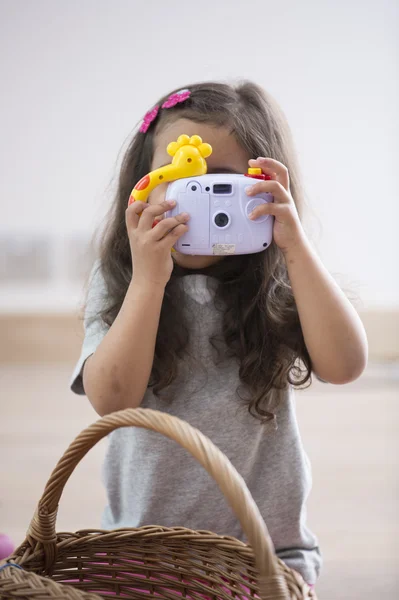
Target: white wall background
(76,76)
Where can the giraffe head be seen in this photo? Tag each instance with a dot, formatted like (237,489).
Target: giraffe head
(189,154)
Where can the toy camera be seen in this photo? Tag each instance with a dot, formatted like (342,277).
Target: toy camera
(219,210)
(218,205)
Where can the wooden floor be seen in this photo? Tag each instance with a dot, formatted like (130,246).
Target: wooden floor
(351,434)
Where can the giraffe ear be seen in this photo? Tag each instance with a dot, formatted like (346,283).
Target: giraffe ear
(205,149)
(182,140)
(195,140)
(172,148)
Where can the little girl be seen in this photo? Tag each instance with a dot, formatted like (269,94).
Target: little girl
(217,341)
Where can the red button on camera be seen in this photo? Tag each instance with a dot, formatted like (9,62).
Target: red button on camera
(257,174)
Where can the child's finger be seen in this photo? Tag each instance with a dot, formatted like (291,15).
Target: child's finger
(273,187)
(171,238)
(133,213)
(282,212)
(154,210)
(166,225)
(273,167)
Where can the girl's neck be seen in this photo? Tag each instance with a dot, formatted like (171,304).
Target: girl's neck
(231,265)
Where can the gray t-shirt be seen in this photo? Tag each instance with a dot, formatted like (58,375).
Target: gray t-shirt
(150,480)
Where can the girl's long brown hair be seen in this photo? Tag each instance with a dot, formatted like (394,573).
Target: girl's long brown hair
(260,320)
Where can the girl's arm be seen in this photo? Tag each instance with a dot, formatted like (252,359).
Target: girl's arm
(333,332)
(116,376)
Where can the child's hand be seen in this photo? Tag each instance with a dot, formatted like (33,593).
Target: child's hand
(287,230)
(151,246)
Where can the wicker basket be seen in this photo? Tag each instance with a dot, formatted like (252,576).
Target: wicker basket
(149,562)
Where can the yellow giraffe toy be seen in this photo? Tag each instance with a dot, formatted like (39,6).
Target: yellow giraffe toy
(189,154)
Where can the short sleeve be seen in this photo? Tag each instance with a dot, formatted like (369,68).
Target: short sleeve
(94,328)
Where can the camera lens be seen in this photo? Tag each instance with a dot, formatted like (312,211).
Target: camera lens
(221,220)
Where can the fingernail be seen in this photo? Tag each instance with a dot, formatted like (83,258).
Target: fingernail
(172,202)
(185,215)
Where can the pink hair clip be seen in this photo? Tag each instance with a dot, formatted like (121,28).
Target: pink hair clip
(148,119)
(176,98)
(173,99)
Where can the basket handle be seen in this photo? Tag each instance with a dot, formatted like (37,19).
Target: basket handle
(42,532)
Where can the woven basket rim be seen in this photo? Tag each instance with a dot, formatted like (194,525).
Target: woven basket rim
(90,537)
